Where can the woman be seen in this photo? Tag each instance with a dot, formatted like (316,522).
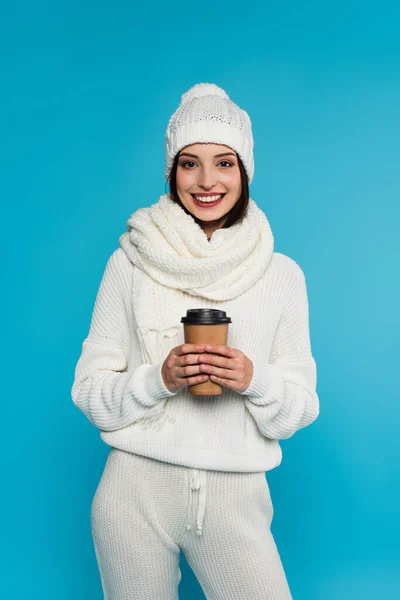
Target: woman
(187,472)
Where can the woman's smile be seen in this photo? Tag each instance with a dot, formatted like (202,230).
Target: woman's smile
(207,200)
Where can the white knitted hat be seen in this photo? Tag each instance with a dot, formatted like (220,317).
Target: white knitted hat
(206,114)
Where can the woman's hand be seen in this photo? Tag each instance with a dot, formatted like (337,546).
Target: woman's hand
(181,368)
(227,366)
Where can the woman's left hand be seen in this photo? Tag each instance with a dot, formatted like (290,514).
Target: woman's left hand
(227,366)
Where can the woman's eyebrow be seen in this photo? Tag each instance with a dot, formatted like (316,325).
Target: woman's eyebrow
(215,156)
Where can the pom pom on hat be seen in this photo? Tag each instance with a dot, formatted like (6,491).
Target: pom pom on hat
(203,89)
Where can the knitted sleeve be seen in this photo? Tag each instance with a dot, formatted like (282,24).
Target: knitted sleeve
(105,389)
(282,395)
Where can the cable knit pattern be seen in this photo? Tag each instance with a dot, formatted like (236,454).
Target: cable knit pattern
(136,321)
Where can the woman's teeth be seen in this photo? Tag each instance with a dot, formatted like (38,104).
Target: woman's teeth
(208,198)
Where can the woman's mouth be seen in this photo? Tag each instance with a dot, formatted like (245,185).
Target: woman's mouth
(207,201)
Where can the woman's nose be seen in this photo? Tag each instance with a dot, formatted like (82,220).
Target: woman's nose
(206,179)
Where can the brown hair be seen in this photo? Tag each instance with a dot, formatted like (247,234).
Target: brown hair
(237,212)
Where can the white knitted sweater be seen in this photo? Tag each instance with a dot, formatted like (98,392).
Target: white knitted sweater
(136,321)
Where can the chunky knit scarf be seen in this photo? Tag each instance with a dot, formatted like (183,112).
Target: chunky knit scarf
(175,258)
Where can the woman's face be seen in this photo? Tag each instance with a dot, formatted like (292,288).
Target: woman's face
(210,169)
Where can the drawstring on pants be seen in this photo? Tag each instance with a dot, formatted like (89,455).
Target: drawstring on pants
(197,481)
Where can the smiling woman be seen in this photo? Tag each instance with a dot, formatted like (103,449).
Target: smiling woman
(210,187)
(211,172)
(186,472)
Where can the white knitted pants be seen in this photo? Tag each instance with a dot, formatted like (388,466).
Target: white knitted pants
(144,512)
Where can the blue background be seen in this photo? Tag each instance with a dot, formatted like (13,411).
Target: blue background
(87,91)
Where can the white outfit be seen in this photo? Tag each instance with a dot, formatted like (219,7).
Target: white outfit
(164,266)
(140,516)
(136,322)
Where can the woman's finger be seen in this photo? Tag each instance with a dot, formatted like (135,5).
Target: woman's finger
(187,371)
(229,374)
(219,361)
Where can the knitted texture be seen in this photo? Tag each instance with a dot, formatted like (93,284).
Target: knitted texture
(118,383)
(166,243)
(145,512)
(206,114)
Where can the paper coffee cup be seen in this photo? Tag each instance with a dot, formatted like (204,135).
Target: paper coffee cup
(206,326)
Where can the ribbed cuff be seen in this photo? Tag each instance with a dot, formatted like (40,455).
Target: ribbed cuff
(151,388)
(266,385)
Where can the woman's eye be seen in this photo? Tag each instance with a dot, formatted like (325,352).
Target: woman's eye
(187,162)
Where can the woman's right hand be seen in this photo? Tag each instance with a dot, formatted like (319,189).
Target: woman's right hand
(181,368)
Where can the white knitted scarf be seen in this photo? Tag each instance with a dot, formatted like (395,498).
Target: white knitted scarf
(175,258)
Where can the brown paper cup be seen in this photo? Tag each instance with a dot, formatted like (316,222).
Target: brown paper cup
(206,334)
